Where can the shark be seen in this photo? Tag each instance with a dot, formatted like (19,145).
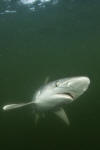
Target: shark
(54,96)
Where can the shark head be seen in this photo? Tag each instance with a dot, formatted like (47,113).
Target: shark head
(73,87)
(60,92)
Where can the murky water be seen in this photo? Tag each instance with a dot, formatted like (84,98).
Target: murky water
(41,38)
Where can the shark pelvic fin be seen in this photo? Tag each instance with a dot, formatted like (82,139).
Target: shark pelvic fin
(36,118)
(62,115)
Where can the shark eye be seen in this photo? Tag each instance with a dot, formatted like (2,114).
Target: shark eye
(57,83)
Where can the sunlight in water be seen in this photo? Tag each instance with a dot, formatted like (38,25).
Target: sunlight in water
(32,5)
(38,1)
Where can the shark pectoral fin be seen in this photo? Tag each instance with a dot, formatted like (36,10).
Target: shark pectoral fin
(14,106)
(62,115)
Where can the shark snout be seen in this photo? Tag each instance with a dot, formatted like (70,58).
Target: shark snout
(73,87)
(79,85)
(83,83)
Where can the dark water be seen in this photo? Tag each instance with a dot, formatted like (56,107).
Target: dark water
(57,39)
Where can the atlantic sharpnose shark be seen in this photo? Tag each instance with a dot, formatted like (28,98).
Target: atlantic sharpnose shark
(53,96)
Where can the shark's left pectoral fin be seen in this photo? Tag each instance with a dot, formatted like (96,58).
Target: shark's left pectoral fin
(62,115)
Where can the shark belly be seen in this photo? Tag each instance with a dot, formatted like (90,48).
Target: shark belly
(53,102)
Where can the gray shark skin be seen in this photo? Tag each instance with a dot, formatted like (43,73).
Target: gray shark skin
(54,95)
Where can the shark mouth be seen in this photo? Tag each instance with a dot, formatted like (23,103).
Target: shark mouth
(66,95)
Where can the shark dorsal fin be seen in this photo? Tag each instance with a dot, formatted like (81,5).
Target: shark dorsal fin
(62,115)
(47,79)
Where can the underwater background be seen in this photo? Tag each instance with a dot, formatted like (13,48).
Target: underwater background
(56,39)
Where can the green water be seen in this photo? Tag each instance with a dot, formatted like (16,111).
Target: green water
(60,40)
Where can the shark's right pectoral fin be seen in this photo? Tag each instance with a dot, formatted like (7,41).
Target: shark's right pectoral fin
(14,106)
(62,115)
